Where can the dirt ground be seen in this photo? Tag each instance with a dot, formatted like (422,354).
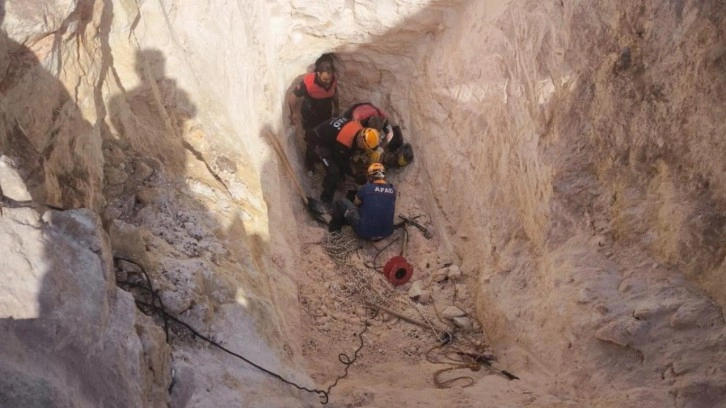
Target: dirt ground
(405,352)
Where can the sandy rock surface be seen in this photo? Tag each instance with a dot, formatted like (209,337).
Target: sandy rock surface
(569,163)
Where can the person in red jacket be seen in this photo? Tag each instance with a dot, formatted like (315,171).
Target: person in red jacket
(319,93)
(370,115)
(393,153)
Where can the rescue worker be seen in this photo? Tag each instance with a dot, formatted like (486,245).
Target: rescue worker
(393,152)
(332,143)
(371,214)
(371,116)
(319,90)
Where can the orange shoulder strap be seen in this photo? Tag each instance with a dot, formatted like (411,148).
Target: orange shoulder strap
(347,133)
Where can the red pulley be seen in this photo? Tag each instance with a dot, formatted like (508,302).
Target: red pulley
(398,271)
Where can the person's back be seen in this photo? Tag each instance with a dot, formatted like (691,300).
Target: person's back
(377,209)
(371,214)
(363,111)
(335,133)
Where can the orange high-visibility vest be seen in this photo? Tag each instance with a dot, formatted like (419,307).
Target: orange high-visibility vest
(316,91)
(346,135)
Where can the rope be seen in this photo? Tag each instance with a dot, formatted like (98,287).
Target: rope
(346,360)
(373,290)
(455,363)
(340,246)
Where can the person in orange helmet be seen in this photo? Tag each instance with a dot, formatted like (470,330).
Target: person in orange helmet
(332,143)
(393,151)
(371,213)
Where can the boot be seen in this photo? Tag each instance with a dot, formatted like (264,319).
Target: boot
(337,222)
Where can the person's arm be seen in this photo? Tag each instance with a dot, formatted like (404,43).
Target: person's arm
(336,106)
(357,200)
(292,101)
(292,104)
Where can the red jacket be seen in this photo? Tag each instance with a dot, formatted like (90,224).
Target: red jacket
(316,91)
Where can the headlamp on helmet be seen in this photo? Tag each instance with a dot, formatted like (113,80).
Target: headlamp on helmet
(376,171)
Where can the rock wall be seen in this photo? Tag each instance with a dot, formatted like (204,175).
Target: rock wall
(572,153)
(69,337)
(582,184)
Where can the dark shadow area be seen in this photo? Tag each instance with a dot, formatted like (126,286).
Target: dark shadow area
(68,337)
(165,197)
(45,130)
(58,289)
(150,117)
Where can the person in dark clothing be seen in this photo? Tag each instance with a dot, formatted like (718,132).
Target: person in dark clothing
(370,115)
(372,212)
(319,93)
(393,152)
(332,143)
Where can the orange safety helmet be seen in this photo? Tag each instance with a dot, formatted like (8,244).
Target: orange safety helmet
(376,171)
(371,138)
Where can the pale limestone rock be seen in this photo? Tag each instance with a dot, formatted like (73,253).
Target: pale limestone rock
(440,275)
(25,268)
(425,297)
(451,312)
(10,181)
(623,331)
(463,322)
(142,171)
(454,272)
(415,290)
(106,345)
(418,294)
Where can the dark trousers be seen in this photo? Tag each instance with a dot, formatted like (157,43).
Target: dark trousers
(336,164)
(344,213)
(396,140)
(336,167)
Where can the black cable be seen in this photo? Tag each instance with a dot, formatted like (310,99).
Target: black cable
(373,264)
(322,394)
(346,360)
(154,294)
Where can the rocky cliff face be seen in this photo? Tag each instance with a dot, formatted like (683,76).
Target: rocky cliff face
(570,156)
(70,337)
(591,133)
